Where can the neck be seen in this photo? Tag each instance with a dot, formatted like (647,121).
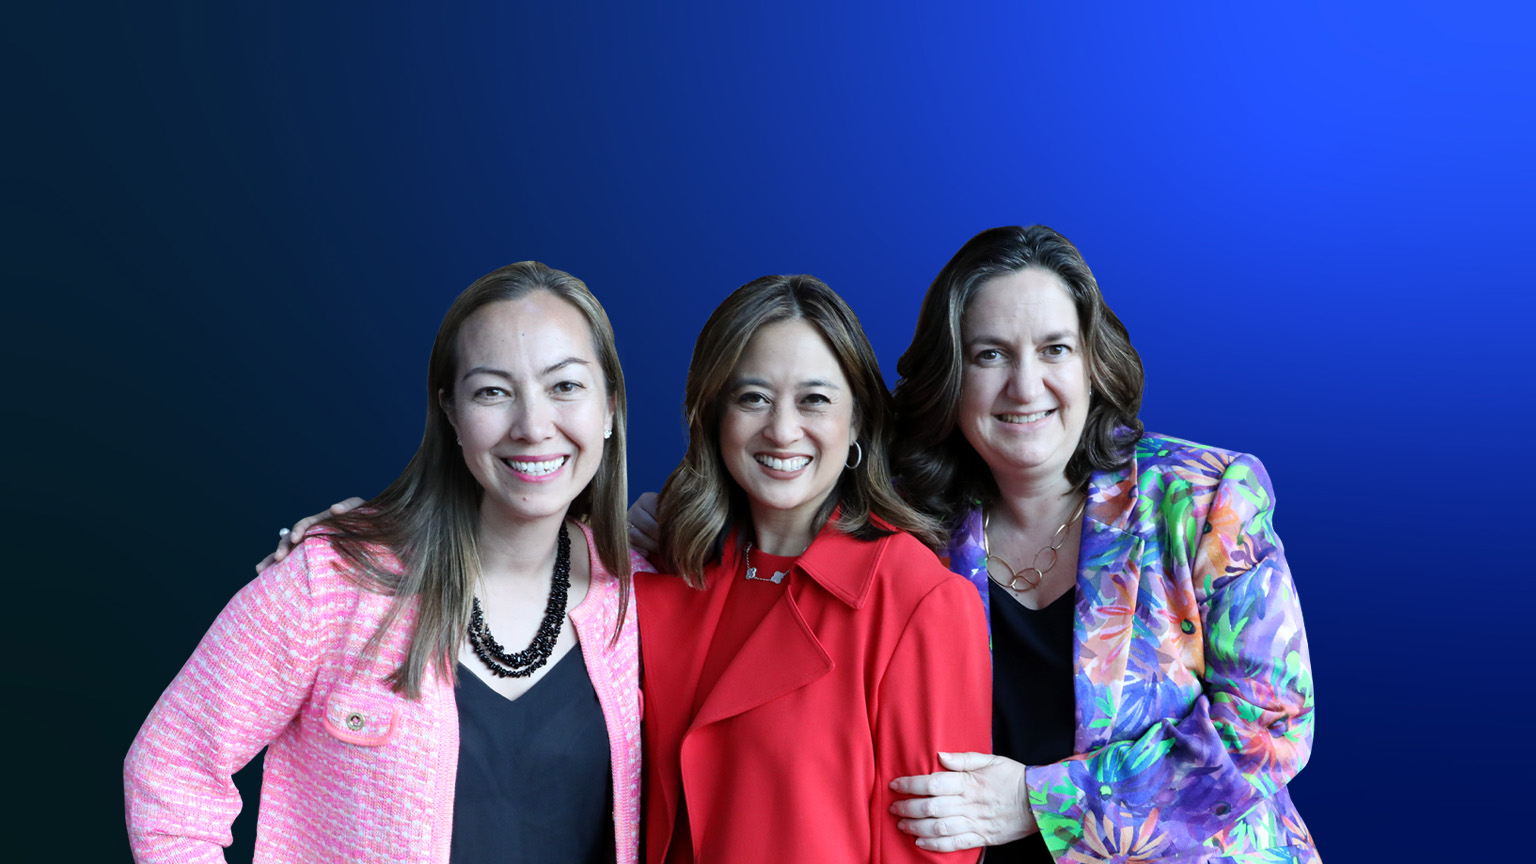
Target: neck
(1031,502)
(780,532)
(517,549)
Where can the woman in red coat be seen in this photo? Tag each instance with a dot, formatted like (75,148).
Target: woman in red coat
(810,649)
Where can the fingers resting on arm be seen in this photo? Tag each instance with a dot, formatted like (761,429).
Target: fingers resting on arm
(981,801)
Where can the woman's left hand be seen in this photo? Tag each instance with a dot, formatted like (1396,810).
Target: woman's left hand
(980,801)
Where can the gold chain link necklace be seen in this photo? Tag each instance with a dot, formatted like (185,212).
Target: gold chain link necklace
(1054,548)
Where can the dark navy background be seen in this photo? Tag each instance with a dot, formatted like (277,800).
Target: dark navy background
(232,228)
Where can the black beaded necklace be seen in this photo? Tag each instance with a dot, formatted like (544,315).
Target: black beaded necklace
(531,659)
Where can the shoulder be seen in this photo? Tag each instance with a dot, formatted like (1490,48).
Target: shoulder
(914,596)
(656,589)
(1165,454)
(317,590)
(604,587)
(965,547)
(320,565)
(311,567)
(1191,495)
(895,569)
(913,564)
(1177,462)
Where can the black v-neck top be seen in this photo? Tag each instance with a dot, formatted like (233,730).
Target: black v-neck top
(1034,715)
(534,781)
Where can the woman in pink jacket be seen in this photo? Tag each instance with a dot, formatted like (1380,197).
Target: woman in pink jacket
(370,662)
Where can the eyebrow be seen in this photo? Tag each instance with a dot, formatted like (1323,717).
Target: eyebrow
(484,370)
(989,339)
(564,363)
(759,382)
(555,367)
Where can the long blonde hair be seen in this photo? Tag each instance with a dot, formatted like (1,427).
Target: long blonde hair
(701,502)
(429,516)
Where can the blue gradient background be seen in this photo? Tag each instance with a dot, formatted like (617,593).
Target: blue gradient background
(231,230)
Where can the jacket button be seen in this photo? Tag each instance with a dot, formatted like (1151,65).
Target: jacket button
(355,721)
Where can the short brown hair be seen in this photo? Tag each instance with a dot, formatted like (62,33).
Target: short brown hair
(938,469)
(701,502)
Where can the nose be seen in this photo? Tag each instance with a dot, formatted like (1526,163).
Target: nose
(1025,381)
(533,419)
(783,426)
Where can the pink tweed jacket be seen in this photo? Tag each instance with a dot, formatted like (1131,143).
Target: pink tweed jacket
(353,771)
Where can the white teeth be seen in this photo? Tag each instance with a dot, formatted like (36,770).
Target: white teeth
(536,469)
(794,463)
(1024,418)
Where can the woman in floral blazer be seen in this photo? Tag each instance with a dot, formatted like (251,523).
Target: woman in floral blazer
(1189,703)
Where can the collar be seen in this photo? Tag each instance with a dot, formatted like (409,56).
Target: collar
(842,565)
(1112,496)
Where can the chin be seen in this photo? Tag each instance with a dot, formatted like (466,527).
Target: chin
(778,503)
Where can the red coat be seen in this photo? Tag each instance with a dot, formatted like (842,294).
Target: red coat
(872,661)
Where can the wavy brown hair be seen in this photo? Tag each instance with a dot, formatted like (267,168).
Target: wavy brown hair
(701,502)
(938,470)
(428,518)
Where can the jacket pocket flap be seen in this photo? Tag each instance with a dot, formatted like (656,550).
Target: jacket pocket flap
(364,719)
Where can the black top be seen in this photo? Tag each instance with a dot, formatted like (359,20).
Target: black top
(534,780)
(1033,709)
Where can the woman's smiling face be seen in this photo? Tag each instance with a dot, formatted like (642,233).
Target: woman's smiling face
(786,424)
(529,405)
(1024,391)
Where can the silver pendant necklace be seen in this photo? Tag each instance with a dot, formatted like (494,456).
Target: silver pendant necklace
(776,578)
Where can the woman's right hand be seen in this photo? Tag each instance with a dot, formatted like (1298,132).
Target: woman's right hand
(296,533)
(644,532)
(977,800)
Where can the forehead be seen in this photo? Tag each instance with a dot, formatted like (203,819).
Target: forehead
(789,351)
(1028,301)
(535,327)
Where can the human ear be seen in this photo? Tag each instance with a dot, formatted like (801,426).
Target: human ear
(447,409)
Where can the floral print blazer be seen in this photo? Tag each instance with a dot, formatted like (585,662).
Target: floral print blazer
(1192,682)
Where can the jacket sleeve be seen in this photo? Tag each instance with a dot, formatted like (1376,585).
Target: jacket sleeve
(247,679)
(936,694)
(1188,780)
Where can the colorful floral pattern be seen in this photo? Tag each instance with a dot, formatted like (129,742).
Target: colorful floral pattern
(1193,685)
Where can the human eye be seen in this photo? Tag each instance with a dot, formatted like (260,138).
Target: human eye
(986,356)
(751,399)
(568,388)
(1057,351)
(816,400)
(489,393)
